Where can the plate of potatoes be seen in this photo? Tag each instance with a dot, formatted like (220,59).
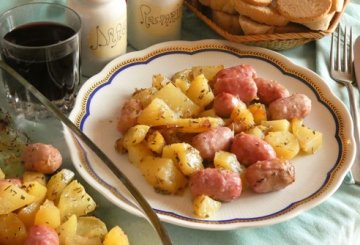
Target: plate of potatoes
(215,135)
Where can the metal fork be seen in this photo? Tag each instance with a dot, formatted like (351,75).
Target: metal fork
(341,70)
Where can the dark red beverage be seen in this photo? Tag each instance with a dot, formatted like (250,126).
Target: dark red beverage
(52,70)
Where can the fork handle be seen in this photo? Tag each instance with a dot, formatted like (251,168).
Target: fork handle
(355,115)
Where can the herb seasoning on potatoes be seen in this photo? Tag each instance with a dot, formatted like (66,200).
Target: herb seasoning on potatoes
(217,130)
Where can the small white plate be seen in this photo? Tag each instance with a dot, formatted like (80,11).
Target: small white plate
(317,176)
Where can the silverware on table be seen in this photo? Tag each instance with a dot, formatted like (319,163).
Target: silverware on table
(357,61)
(150,214)
(341,70)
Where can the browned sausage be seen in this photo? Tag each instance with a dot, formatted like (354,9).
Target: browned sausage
(270,175)
(42,234)
(224,103)
(221,185)
(41,158)
(270,90)
(129,114)
(237,80)
(249,149)
(212,141)
(294,106)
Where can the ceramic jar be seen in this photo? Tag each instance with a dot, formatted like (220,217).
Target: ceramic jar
(104,32)
(153,21)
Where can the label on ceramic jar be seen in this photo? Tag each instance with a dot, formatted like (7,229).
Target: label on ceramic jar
(108,40)
(153,17)
(151,22)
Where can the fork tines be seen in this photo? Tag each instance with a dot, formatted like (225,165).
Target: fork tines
(346,45)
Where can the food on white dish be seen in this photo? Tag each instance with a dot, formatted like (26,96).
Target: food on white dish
(42,158)
(48,206)
(249,149)
(212,141)
(237,80)
(224,103)
(219,184)
(269,90)
(182,136)
(294,106)
(42,234)
(270,175)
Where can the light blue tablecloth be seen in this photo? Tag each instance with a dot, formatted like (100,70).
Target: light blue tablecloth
(334,222)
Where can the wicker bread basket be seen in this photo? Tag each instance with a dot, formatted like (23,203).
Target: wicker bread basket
(275,41)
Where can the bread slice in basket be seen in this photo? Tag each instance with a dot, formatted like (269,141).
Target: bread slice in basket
(263,14)
(251,27)
(226,6)
(303,11)
(259,2)
(229,22)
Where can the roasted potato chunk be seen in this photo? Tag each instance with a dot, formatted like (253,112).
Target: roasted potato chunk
(57,183)
(135,135)
(13,197)
(48,214)
(285,144)
(197,125)
(258,111)
(75,200)
(34,176)
(276,125)
(200,91)
(208,71)
(116,236)
(137,153)
(204,206)
(37,190)
(155,141)
(159,81)
(157,113)
(12,229)
(177,101)
(242,119)
(67,230)
(310,140)
(163,175)
(185,157)
(2,175)
(227,160)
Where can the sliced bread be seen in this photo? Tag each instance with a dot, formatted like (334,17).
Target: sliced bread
(251,27)
(263,14)
(259,2)
(228,22)
(226,6)
(321,24)
(337,5)
(303,11)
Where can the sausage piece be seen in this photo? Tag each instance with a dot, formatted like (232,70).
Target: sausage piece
(270,90)
(294,106)
(41,158)
(42,235)
(249,149)
(237,80)
(221,185)
(224,103)
(270,175)
(129,114)
(212,141)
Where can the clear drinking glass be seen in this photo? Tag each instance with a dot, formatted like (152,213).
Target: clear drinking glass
(41,42)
